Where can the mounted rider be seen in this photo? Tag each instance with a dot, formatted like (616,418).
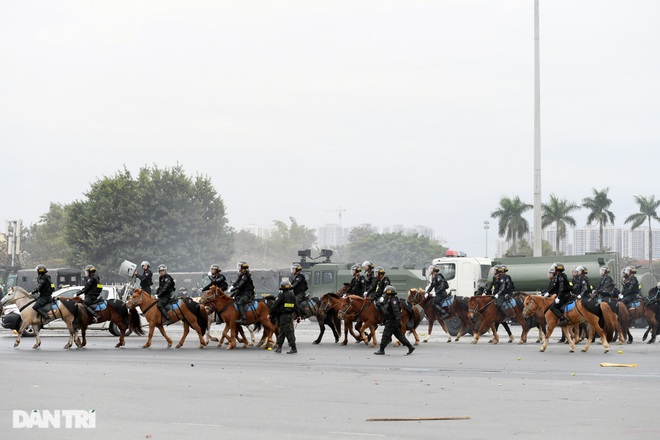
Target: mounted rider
(146,277)
(284,307)
(559,286)
(382,281)
(606,287)
(299,287)
(92,290)
(216,278)
(505,287)
(45,289)
(166,287)
(582,286)
(437,289)
(242,290)
(631,287)
(369,279)
(357,286)
(494,282)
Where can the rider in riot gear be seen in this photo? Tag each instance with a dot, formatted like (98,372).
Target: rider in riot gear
(92,290)
(166,287)
(45,289)
(242,290)
(146,278)
(560,286)
(217,279)
(438,290)
(299,287)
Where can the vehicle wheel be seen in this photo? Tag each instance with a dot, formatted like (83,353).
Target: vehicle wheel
(29,331)
(114,330)
(453,325)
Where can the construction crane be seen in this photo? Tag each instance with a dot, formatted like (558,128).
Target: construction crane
(339,211)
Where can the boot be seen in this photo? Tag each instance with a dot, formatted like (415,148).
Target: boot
(380,351)
(440,313)
(279,348)
(293,349)
(166,316)
(241,314)
(44,314)
(92,314)
(410,349)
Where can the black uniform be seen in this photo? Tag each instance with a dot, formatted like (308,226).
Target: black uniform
(370,283)
(285,306)
(243,292)
(218,280)
(45,289)
(606,287)
(381,284)
(357,286)
(439,287)
(504,290)
(630,290)
(560,286)
(494,286)
(582,286)
(392,324)
(165,290)
(146,280)
(92,291)
(299,286)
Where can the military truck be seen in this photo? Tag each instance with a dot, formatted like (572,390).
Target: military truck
(326,276)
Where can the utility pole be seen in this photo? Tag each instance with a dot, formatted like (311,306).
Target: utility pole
(13,240)
(537,136)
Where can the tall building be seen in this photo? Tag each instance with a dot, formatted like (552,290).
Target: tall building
(332,235)
(422,231)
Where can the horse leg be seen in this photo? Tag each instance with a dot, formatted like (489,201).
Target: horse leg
(321,323)
(224,336)
(566,331)
(186,329)
(167,338)
(150,335)
(508,331)
(347,325)
(428,334)
(374,341)
(551,326)
(482,328)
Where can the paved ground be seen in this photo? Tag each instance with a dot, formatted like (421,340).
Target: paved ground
(328,391)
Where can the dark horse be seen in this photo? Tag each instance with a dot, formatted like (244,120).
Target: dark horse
(643,310)
(116,312)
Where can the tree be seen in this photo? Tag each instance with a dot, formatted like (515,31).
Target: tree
(558,212)
(162,215)
(511,223)
(648,210)
(599,213)
(45,242)
(392,249)
(524,248)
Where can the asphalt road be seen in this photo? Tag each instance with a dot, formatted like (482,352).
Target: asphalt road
(328,391)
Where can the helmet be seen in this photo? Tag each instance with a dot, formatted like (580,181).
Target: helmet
(356,269)
(551,272)
(499,269)
(435,269)
(559,267)
(367,265)
(162,267)
(285,285)
(574,270)
(90,269)
(241,265)
(215,267)
(604,270)
(296,267)
(581,270)
(380,270)
(390,290)
(504,268)
(630,270)
(658,286)
(145,263)
(41,268)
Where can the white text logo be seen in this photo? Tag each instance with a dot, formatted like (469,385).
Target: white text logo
(65,418)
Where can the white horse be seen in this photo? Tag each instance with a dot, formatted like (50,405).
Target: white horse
(68,311)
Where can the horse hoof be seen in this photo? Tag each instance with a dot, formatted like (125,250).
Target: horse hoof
(145,346)
(177,346)
(570,350)
(474,342)
(628,342)
(584,350)
(35,347)
(16,344)
(510,341)
(201,346)
(490,342)
(315,342)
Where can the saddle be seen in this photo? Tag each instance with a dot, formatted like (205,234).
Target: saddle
(252,306)
(448,301)
(568,307)
(99,306)
(509,303)
(172,305)
(408,306)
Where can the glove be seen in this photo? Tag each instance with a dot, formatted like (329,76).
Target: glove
(547,294)
(230,289)
(426,295)
(381,300)
(364,294)
(620,295)
(556,300)
(497,295)
(579,297)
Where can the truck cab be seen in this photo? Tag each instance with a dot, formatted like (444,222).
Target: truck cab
(463,274)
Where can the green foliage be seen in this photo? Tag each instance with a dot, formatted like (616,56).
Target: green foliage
(163,216)
(558,211)
(599,213)
(45,242)
(392,249)
(525,248)
(511,223)
(648,211)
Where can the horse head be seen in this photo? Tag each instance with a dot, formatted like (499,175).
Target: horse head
(14,293)
(415,295)
(136,298)
(531,305)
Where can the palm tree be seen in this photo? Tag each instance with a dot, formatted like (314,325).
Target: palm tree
(558,212)
(598,205)
(511,222)
(648,210)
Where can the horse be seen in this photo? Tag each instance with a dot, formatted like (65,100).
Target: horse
(116,312)
(589,311)
(326,315)
(641,309)
(622,328)
(222,304)
(184,309)
(413,316)
(655,306)
(458,308)
(330,305)
(73,315)
(485,308)
(355,307)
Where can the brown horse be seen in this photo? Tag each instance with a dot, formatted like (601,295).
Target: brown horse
(327,315)
(407,316)
(622,328)
(330,305)
(589,311)
(643,311)
(458,309)
(188,311)
(117,313)
(486,310)
(223,304)
(73,315)
(355,307)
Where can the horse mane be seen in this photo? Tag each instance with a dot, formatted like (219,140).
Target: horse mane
(331,295)
(21,290)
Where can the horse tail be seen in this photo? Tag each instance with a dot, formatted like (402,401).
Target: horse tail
(134,323)
(120,308)
(82,316)
(610,321)
(202,319)
(257,327)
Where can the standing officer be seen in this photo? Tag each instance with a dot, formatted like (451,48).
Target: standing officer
(560,286)
(146,278)
(438,290)
(392,321)
(286,305)
(92,289)
(166,288)
(217,279)
(45,289)
(299,287)
(242,290)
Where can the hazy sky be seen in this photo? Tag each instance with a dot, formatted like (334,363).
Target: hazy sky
(412,112)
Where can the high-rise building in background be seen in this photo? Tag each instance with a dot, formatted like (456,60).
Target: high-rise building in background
(332,235)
